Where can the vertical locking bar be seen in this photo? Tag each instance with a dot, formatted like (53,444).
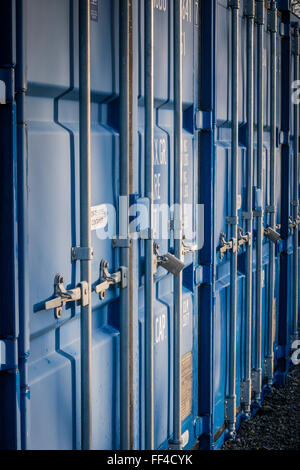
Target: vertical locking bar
(85,219)
(149,272)
(250,14)
(296,188)
(285,123)
(259,209)
(124,250)
(24,339)
(231,399)
(273,78)
(177,441)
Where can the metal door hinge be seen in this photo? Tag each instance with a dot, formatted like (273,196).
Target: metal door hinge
(8,354)
(119,278)
(231,245)
(63,296)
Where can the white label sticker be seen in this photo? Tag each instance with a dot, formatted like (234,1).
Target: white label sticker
(99,216)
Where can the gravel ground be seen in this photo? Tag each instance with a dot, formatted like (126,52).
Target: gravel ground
(277,424)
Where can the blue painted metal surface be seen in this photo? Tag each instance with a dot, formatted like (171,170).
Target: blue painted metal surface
(40,379)
(9,318)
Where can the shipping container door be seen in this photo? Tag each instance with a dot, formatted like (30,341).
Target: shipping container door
(163,188)
(51,114)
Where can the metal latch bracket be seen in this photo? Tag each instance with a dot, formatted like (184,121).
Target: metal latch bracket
(231,245)
(119,278)
(82,253)
(63,296)
(121,242)
(244,239)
